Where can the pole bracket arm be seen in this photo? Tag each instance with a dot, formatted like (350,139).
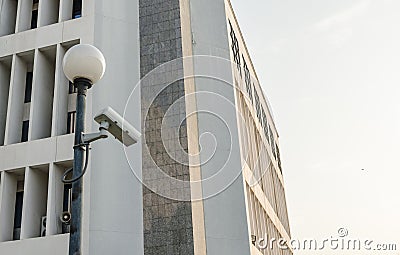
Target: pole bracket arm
(87,138)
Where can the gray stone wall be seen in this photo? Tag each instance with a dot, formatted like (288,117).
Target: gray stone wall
(167,223)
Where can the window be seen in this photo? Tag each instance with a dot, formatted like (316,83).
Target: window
(265,124)
(272,141)
(28,87)
(18,214)
(71,122)
(25,130)
(247,79)
(72,88)
(77,9)
(278,155)
(235,49)
(67,198)
(35,9)
(258,106)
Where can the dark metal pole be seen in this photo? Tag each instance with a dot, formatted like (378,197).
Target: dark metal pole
(76,208)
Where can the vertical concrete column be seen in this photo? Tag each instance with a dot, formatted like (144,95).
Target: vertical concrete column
(248,208)
(42,94)
(60,106)
(16,101)
(65,10)
(8,17)
(48,12)
(24,15)
(5,74)
(54,200)
(8,189)
(35,201)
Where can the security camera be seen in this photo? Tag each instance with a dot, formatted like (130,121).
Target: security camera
(117,126)
(65,218)
(111,122)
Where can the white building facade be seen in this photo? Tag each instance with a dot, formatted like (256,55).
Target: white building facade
(202,203)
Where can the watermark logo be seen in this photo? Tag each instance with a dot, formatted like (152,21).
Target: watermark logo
(340,242)
(343,232)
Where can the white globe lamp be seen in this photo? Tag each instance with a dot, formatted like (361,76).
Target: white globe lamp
(84,61)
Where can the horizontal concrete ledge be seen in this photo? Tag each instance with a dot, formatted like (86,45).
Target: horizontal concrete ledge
(43,245)
(43,37)
(36,153)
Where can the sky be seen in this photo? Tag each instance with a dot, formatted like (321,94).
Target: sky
(331,71)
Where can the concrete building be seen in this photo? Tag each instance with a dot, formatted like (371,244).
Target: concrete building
(206,177)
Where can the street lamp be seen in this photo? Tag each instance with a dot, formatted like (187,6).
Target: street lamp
(84,65)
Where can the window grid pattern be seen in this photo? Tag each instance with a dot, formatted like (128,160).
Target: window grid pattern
(27,114)
(258,106)
(36,13)
(35,109)
(253,95)
(281,202)
(235,49)
(259,150)
(41,216)
(34,104)
(247,80)
(261,226)
(256,155)
(265,125)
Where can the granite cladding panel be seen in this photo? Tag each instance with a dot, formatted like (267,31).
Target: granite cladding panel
(167,223)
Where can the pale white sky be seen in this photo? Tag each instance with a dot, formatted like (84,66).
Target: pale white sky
(331,70)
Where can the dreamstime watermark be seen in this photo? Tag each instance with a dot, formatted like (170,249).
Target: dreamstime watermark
(341,241)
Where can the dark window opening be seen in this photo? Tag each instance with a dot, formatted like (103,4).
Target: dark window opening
(272,141)
(67,198)
(43,224)
(25,130)
(235,49)
(265,124)
(18,215)
(72,89)
(28,87)
(278,155)
(77,9)
(247,80)
(258,106)
(35,12)
(71,122)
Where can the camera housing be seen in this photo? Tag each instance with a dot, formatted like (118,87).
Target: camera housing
(118,126)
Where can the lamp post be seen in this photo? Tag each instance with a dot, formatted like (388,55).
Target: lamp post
(84,65)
